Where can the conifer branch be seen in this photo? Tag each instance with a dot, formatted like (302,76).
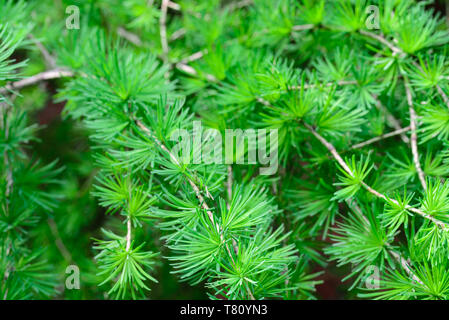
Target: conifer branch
(173,5)
(129,36)
(197,193)
(303,27)
(178,34)
(191,71)
(413,117)
(329,84)
(343,164)
(236,244)
(163,33)
(440,91)
(193,57)
(128,234)
(402,54)
(229,183)
(238,5)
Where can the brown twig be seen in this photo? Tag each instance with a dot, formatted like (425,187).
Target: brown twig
(175,160)
(49,59)
(173,5)
(405,266)
(414,136)
(131,37)
(177,34)
(46,75)
(381,137)
(163,33)
(128,234)
(229,184)
(303,27)
(390,118)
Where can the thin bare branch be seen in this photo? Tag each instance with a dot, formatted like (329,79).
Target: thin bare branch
(414,136)
(178,34)
(195,189)
(303,27)
(131,37)
(128,234)
(331,149)
(381,137)
(238,5)
(163,32)
(405,266)
(46,75)
(193,57)
(440,91)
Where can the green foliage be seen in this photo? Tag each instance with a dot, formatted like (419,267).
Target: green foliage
(361,241)
(431,282)
(126,264)
(107,188)
(396,213)
(8,43)
(351,183)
